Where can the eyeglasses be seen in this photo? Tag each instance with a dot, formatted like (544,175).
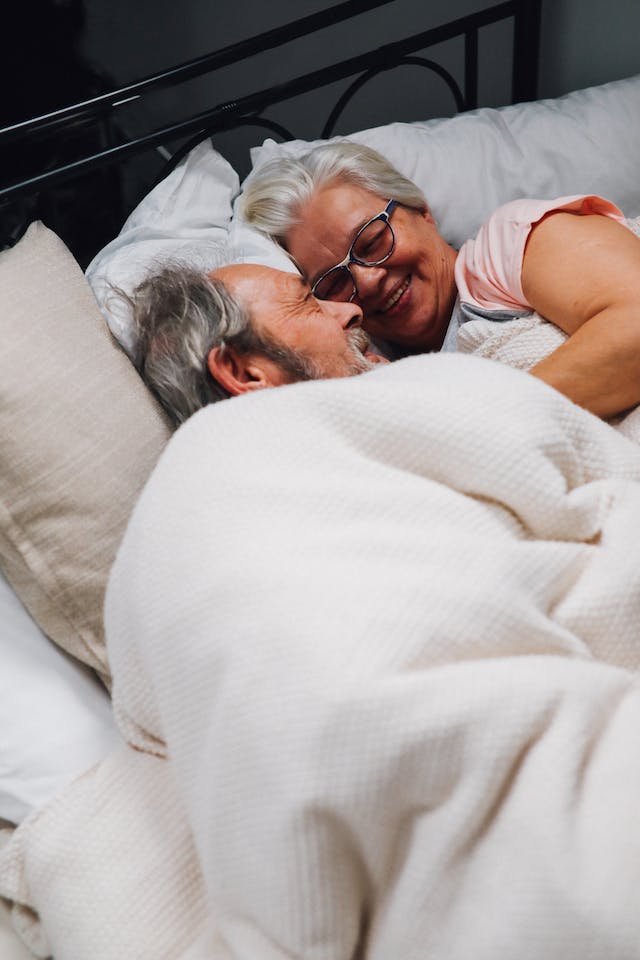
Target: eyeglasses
(372,245)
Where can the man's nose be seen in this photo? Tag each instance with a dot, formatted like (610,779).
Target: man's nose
(349,314)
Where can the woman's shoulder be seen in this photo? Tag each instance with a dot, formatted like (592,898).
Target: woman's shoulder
(527,211)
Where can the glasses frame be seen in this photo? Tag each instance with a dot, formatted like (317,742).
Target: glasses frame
(385,216)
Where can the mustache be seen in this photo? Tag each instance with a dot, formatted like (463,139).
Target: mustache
(358,339)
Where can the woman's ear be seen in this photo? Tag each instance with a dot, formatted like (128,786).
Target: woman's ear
(428,216)
(241,372)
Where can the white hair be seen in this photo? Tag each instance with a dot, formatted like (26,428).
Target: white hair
(276,192)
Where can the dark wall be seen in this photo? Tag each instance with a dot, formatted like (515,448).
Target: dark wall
(588,42)
(132,41)
(44,68)
(43,64)
(66,50)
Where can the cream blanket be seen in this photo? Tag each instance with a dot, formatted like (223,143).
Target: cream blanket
(389,628)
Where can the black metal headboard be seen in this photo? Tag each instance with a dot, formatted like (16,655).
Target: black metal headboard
(87,143)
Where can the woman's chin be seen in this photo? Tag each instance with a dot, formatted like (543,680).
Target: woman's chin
(417,335)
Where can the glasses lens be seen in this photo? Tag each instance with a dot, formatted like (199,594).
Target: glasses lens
(374,243)
(337,284)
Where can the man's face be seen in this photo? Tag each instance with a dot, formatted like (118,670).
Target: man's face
(316,339)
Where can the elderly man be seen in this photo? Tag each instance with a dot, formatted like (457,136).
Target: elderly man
(205,337)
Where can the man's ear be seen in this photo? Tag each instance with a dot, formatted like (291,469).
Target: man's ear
(241,372)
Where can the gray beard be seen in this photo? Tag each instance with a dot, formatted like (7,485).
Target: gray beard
(358,343)
(297,366)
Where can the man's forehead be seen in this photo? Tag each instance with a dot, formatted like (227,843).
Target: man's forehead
(227,271)
(251,270)
(258,280)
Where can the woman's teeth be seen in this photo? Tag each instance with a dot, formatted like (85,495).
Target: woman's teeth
(395,296)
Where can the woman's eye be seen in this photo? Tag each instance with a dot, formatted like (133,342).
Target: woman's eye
(370,242)
(332,286)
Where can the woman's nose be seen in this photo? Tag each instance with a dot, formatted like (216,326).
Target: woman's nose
(368,280)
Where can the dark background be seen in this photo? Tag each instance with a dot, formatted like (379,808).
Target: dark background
(60,51)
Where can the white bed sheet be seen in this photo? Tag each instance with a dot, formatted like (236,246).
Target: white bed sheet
(55,718)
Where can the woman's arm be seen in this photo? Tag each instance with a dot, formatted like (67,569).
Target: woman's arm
(583,274)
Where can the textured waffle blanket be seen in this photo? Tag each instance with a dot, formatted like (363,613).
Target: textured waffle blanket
(382,636)
(388,628)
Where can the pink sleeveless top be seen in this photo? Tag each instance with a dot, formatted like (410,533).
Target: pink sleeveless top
(488,269)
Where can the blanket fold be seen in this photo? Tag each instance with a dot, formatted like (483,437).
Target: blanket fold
(107,869)
(388,629)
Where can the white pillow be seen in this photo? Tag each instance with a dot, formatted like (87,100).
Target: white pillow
(55,719)
(251,246)
(186,217)
(468,165)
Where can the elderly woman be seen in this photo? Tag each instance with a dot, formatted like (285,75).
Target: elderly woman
(360,231)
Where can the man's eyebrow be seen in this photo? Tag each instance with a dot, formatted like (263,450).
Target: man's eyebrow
(303,277)
(295,263)
(304,286)
(309,280)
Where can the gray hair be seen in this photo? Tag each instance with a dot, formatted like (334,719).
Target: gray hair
(180,314)
(275,193)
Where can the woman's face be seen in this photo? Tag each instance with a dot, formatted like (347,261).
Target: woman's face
(408,299)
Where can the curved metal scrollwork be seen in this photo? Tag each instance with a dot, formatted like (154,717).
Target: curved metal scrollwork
(23,193)
(202,134)
(353,88)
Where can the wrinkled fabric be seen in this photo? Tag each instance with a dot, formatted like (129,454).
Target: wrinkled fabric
(388,629)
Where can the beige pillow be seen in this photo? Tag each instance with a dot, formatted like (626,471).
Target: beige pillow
(79,435)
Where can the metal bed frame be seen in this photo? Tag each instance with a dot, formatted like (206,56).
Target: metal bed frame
(28,198)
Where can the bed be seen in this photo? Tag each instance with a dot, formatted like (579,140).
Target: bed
(480,781)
